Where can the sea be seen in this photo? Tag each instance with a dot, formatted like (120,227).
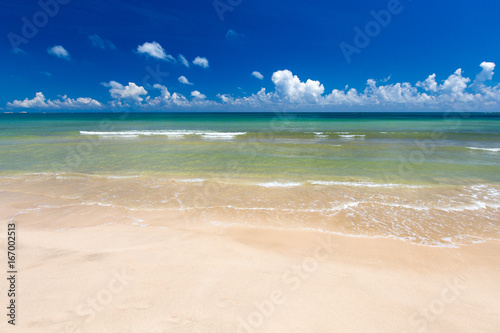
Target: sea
(432,178)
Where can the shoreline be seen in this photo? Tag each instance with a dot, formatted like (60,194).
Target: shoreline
(446,216)
(233,177)
(247,279)
(98,268)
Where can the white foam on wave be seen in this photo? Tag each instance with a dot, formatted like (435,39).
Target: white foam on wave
(221,135)
(279,184)
(97,203)
(336,208)
(120,136)
(121,177)
(320,135)
(363,184)
(190,180)
(487,191)
(475,205)
(167,133)
(485,149)
(351,136)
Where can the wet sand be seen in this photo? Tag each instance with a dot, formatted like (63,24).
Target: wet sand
(97,268)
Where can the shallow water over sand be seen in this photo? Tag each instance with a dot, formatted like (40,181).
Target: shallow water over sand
(439,215)
(428,179)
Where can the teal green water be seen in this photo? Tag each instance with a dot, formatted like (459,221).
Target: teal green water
(380,148)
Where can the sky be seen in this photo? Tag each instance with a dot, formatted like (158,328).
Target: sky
(242,55)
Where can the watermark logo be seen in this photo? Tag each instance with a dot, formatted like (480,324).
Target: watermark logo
(291,279)
(30,27)
(449,294)
(221,7)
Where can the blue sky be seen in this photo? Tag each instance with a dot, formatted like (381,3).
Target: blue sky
(99,55)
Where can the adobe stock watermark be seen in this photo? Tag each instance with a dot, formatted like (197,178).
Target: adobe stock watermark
(222,7)
(429,314)
(156,74)
(426,147)
(372,29)
(76,156)
(251,146)
(291,280)
(30,27)
(93,305)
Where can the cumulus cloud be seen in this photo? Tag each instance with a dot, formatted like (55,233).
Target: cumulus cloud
(455,92)
(130,93)
(198,95)
(429,84)
(487,72)
(183,60)
(101,42)
(289,87)
(165,94)
(257,75)
(40,102)
(59,52)
(166,99)
(455,84)
(201,61)
(184,80)
(154,50)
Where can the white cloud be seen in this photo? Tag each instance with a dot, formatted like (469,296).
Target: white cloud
(198,95)
(101,42)
(165,94)
(166,99)
(40,102)
(456,92)
(452,94)
(59,52)
(455,84)
(487,73)
(257,75)
(155,50)
(184,80)
(224,98)
(397,93)
(201,61)
(131,92)
(289,87)
(429,84)
(183,60)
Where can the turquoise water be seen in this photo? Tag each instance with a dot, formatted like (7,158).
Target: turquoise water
(430,179)
(285,147)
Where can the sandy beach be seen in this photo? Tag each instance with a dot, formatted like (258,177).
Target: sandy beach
(95,269)
(232,166)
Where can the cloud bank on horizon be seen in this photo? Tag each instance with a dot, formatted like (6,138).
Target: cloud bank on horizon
(456,92)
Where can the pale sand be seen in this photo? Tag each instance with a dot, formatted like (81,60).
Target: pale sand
(90,269)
